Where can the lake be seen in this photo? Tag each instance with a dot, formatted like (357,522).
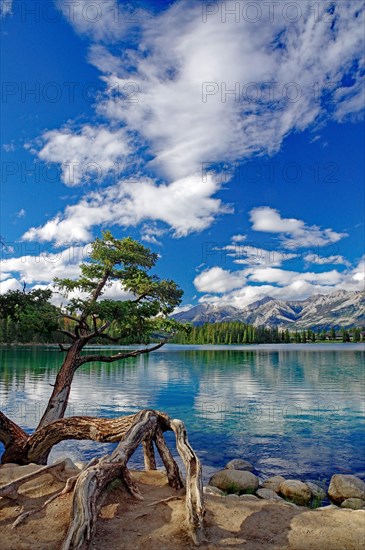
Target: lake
(295,410)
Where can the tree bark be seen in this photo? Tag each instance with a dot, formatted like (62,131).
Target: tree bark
(144,427)
(88,494)
(58,401)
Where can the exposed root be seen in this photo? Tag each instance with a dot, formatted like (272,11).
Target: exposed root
(89,485)
(10,490)
(70,484)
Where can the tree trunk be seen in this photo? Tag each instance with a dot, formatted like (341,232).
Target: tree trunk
(58,401)
(143,427)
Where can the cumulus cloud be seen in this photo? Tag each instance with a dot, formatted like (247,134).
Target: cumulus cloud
(259,282)
(217,279)
(44,266)
(171,92)
(185,205)
(93,151)
(293,232)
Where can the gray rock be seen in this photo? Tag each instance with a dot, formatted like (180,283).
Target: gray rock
(234,481)
(232,497)
(248,497)
(268,494)
(328,507)
(316,490)
(239,464)
(296,490)
(353,503)
(344,486)
(210,490)
(273,483)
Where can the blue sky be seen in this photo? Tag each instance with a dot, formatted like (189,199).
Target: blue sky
(231,143)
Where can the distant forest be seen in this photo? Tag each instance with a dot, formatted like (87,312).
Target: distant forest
(30,318)
(241,333)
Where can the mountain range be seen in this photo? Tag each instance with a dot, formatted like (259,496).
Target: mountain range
(338,309)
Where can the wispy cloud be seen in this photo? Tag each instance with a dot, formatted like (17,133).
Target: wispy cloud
(101,20)
(293,233)
(6,8)
(172,93)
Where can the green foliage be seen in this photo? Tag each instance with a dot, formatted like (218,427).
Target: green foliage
(127,264)
(27,317)
(124,263)
(241,333)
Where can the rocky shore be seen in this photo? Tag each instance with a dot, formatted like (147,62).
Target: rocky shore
(261,517)
(237,480)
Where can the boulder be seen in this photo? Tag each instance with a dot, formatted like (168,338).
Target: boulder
(232,497)
(248,497)
(295,490)
(234,481)
(317,491)
(239,464)
(353,503)
(273,483)
(210,490)
(344,486)
(268,494)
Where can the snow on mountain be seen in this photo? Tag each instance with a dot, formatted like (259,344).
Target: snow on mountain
(338,309)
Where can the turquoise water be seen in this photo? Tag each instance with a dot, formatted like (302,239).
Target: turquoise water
(291,410)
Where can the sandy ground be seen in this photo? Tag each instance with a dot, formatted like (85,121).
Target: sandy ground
(127,524)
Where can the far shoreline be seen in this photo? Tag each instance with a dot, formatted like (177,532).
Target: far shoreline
(275,346)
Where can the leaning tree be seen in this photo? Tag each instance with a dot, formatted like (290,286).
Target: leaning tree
(91,317)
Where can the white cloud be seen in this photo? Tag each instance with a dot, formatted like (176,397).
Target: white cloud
(239,238)
(43,267)
(9,147)
(179,53)
(6,8)
(154,93)
(186,205)
(217,279)
(331,259)
(258,282)
(252,255)
(21,213)
(100,19)
(39,270)
(91,152)
(294,233)
(10,284)
(150,233)
(284,277)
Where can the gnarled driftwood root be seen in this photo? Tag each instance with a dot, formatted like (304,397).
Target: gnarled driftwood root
(148,426)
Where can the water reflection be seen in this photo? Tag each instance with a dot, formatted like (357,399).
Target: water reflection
(289,410)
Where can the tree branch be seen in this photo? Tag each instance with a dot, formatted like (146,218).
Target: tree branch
(67,333)
(143,295)
(9,431)
(63,349)
(66,316)
(118,356)
(101,285)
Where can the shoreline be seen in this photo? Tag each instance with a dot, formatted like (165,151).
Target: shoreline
(357,346)
(158,521)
